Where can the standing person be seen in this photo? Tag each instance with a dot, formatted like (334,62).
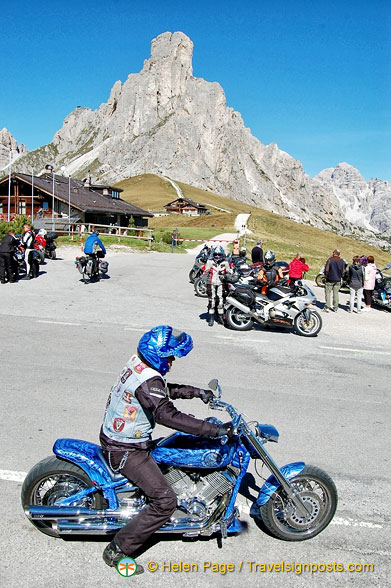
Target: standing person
(257,252)
(369,282)
(216,267)
(296,268)
(140,398)
(334,269)
(174,237)
(27,242)
(7,248)
(355,283)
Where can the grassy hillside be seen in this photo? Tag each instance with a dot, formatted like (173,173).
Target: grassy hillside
(284,236)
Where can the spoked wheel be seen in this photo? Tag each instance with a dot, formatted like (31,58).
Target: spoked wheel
(319,495)
(320,280)
(239,320)
(200,287)
(308,326)
(52,480)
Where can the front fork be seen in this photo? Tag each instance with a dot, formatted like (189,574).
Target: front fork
(283,481)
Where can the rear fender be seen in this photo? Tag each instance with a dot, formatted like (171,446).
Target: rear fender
(89,457)
(289,471)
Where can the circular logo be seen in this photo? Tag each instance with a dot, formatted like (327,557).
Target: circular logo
(126,567)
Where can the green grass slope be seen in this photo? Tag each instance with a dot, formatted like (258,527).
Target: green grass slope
(284,236)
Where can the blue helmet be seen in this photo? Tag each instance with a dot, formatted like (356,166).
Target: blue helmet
(218,252)
(162,342)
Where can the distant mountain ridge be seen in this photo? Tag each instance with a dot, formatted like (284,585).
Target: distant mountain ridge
(165,121)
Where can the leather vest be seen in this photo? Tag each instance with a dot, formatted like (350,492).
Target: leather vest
(126,420)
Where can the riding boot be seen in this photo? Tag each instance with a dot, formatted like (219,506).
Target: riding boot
(112,555)
(211,320)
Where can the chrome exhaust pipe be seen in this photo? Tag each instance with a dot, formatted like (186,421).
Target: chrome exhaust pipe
(83,521)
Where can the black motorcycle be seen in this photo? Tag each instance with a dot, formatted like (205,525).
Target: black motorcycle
(382,293)
(91,266)
(51,245)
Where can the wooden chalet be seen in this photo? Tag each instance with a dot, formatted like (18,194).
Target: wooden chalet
(55,196)
(185,206)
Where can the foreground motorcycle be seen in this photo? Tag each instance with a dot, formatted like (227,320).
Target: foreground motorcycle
(91,266)
(381,295)
(76,492)
(245,305)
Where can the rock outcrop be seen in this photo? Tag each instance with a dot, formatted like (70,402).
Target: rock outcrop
(9,145)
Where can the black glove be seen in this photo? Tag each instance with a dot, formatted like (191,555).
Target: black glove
(206,396)
(226,429)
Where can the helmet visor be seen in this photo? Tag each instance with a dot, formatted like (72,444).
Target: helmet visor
(178,345)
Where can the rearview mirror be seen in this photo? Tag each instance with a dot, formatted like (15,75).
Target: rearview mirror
(215,387)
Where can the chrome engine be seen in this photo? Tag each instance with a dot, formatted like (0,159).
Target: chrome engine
(197,492)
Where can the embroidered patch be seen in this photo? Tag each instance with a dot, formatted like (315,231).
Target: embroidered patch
(116,389)
(108,401)
(126,372)
(130,413)
(118,425)
(138,434)
(127,397)
(140,367)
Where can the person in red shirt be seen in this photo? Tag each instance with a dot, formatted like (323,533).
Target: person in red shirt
(296,268)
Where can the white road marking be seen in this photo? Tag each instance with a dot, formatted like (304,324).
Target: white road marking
(247,340)
(355,350)
(135,329)
(13,476)
(348,522)
(59,323)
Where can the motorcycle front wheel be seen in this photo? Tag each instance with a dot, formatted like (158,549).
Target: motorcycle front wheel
(51,480)
(310,327)
(238,320)
(200,287)
(318,493)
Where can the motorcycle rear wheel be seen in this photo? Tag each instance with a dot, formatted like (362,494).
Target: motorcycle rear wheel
(319,494)
(53,254)
(53,479)
(238,320)
(200,287)
(320,280)
(308,328)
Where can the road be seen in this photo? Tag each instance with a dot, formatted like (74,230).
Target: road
(63,344)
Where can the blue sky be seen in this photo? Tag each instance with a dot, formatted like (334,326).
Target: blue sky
(312,76)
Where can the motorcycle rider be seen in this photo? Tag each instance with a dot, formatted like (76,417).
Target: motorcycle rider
(216,267)
(268,276)
(7,248)
(27,242)
(91,245)
(140,398)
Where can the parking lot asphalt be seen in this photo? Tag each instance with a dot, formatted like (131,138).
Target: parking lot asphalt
(62,345)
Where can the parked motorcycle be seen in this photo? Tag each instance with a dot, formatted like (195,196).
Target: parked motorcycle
(245,306)
(51,245)
(320,278)
(91,266)
(34,259)
(76,492)
(199,263)
(381,295)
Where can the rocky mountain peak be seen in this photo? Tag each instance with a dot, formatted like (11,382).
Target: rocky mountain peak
(170,51)
(8,144)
